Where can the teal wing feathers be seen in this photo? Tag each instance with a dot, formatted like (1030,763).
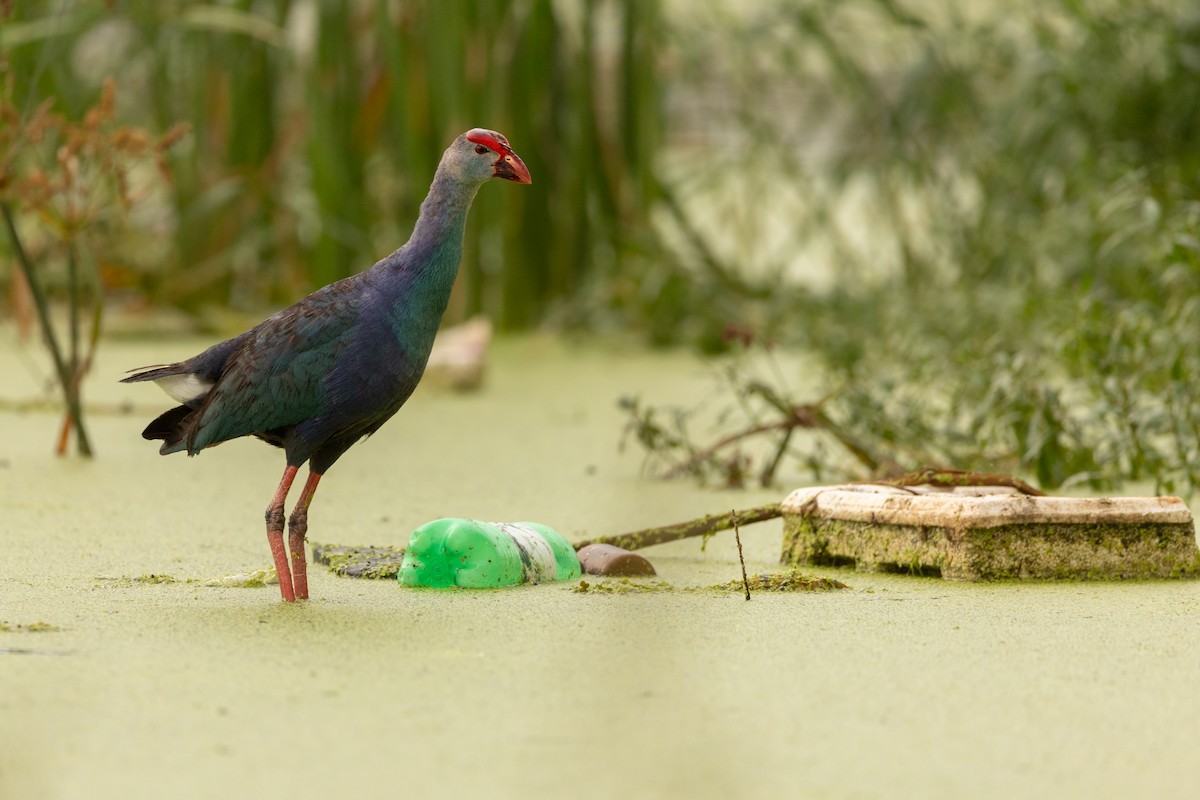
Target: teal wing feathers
(276,378)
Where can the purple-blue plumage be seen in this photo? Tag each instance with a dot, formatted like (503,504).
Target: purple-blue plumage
(320,375)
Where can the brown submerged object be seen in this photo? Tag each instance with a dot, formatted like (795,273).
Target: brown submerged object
(607,559)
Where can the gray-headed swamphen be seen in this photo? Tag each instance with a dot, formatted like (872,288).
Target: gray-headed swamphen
(320,375)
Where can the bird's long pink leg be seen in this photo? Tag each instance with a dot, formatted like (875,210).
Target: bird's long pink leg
(275,534)
(297,528)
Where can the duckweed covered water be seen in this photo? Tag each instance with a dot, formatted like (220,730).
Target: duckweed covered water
(897,687)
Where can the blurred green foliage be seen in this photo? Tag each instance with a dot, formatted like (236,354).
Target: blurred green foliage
(984,221)
(317,127)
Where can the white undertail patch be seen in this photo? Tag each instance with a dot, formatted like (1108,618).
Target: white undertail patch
(184,388)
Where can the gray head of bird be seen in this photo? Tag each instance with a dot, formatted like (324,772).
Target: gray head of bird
(480,155)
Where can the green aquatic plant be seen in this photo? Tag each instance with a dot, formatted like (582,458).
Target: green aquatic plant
(792,581)
(28,627)
(621,586)
(991,248)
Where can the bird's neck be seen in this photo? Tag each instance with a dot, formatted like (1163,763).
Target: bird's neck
(429,261)
(443,217)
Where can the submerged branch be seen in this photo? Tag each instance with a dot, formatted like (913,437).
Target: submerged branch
(682,530)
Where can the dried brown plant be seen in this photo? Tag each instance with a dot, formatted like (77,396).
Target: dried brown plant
(70,180)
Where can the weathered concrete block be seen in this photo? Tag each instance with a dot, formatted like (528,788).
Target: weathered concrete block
(981,533)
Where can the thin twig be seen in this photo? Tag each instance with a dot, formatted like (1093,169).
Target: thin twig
(35,289)
(74,410)
(72,308)
(813,416)
(700,456)
(807,415)
(767,476)
(737,535)
(957,477)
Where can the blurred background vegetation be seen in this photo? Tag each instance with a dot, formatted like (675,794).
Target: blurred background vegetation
(316,128)
(981,220)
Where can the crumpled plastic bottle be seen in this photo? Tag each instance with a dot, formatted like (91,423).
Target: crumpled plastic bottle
(478,555)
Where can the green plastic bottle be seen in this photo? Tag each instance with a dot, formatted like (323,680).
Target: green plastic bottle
(482,555)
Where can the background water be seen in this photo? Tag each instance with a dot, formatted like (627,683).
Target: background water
(898,687)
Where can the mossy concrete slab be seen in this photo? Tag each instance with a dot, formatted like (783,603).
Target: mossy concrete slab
(984,533)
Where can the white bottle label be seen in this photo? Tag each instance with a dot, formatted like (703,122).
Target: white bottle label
(537,557)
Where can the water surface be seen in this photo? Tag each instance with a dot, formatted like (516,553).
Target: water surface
(899,687)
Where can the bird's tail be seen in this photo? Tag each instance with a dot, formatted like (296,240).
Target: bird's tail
(170,427)
(151,373)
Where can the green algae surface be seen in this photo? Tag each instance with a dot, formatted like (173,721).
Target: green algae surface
(359,561)
(896,687)
(791,581)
